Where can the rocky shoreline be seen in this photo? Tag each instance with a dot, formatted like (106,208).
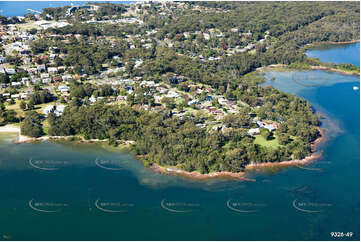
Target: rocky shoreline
(198,176)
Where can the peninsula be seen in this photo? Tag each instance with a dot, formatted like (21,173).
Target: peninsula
(177,82)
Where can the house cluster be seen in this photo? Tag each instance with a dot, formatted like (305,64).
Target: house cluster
(57,110)
(270,126)
(42,69)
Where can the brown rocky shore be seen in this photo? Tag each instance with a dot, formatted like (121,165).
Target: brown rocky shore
(198,176)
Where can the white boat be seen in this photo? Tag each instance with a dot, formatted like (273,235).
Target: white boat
(355,88)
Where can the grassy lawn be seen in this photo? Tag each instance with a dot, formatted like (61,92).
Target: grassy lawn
(260,140)
(16,108)
(20,113)
(46,126)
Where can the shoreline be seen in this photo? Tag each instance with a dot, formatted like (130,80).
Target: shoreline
(345,42)
(334,43)
(194,174)
(198,176)
(25,139)
(325,68)
(283,67)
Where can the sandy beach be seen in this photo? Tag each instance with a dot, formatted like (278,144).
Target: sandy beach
(16,129)
(9,129)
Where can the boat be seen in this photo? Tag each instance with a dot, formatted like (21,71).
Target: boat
(355,88)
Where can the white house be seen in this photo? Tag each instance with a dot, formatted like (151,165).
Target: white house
(52,70)
(253,131)
(59,110)
(148,83)
(15,96)
(15,83)
(46,80)
(24,80)
(44,75)
(194,101)
(48,109)
(263,125)
(92,99)
(66,78)
(63,88)
(138,63)
(52,56)
(10,71)
(172,94)
(23,95)
(41,68)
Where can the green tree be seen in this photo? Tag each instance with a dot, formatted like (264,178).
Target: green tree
(31,125)
(266,134)
(22,105)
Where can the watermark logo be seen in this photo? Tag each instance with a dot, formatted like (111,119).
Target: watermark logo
(108,164)
(47,165)
(113,207)
(310,207)
(179,207)
(312,79)
(47,207)
(244,207)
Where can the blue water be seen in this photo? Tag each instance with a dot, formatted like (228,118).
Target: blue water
(13,8)
(344,53)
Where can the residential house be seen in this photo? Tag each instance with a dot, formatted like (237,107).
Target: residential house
(48,109)
(15,83)
(63,89)
(253,131)
(66,78)
(172,94)
(10,71)
(15,96)
(52,70)
(59,110)
(41,68)
(23,95)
